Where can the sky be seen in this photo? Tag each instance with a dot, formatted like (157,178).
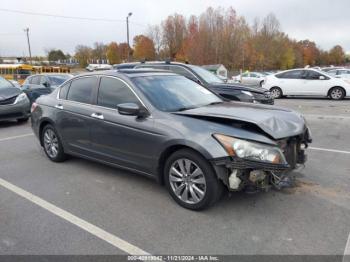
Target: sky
(327,22)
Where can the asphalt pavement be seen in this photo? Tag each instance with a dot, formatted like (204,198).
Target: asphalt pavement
(102,209)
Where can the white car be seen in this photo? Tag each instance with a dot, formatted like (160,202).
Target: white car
(95,67)
(250,78)
(339,73)
(306,82)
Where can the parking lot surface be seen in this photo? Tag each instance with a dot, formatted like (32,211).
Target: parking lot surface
(311,218)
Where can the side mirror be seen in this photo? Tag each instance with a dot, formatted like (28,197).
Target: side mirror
(322,78)
(131,109)
(46,84)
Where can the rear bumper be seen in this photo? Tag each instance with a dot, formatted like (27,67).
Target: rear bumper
(15,111)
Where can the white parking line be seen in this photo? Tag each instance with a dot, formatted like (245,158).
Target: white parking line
(346,257)
(329,150)
(15,137)
(92,229)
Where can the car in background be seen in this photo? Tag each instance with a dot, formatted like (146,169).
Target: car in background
(217,85)
(15,83)
(306,82)
(340,72)
(250,78)
(43,84)
(97,67)
(125,65)
(14,104)
(169,128)
(326,69)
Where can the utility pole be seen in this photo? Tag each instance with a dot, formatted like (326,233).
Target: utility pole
(30,52)
(127,34)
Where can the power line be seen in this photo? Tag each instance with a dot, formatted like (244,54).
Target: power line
(67,17)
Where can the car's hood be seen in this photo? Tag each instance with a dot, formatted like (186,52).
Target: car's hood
(240,87)
(275,121)
(7,93)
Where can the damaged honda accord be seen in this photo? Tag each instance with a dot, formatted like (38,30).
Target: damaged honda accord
(172,129)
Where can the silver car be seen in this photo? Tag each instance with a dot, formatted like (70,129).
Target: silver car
(14,104)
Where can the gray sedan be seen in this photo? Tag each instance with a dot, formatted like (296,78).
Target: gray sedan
(14,104)
(172,129)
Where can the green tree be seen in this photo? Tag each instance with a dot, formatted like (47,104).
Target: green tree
(55,55)
(83,54)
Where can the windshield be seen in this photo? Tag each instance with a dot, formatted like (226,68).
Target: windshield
(5,84)
(171,93)
(206,75)
(56,80)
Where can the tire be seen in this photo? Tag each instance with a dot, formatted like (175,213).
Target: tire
(336,93)
(52,144)
(203,180)
(276,92)
(22,120)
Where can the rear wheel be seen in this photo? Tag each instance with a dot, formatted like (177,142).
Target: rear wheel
(191,181)
(337,93)
(52,144)
(276,92)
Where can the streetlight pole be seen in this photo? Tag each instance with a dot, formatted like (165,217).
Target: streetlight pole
(127,34)
(30,52)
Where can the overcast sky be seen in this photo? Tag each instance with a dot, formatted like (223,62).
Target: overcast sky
(327,22)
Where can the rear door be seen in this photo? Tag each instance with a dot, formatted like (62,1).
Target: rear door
(121,139)
(73,113)
(291,82)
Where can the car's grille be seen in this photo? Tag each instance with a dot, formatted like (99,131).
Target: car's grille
(12,115)
(9,101)
(267,94)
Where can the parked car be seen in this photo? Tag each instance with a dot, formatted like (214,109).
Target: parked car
(125,65)
(250,78)
(326,69)
(169,128)
(207,79)
(14,104)
(96,67)
(43,84)
(306,82)
(339,72)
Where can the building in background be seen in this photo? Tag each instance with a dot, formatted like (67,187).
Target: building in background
(218,69)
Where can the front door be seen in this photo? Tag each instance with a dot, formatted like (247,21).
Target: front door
(121,139)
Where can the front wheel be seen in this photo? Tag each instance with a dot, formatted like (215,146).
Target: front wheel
(337,93)
(191,181)
(276,92)
(52,144)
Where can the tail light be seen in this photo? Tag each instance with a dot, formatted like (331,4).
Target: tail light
(34,106)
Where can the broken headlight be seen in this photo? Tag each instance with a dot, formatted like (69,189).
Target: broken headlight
(251,150)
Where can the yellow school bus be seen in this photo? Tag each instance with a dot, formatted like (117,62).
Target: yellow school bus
(17,72)
(51,69)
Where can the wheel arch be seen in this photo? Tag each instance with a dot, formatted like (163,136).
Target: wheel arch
(44,122)
(173,148)
(329,91)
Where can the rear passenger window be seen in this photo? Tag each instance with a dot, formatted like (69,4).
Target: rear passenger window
(81,89)
(113,92)
(64,91)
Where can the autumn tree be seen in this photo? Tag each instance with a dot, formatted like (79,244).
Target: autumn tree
(143,48)
(83,54)
(174,32)
(123,51)
(155,33)
(99,52)
(113,53)
(337,55)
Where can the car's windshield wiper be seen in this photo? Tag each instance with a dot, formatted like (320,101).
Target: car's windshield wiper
(185,108)
(215,103)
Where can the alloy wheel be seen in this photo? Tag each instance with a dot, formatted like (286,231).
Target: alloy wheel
(336,94)
(51,143)
(187,181)
(275,93)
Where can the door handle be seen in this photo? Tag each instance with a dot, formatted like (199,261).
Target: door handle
(59,106)
(97,115)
